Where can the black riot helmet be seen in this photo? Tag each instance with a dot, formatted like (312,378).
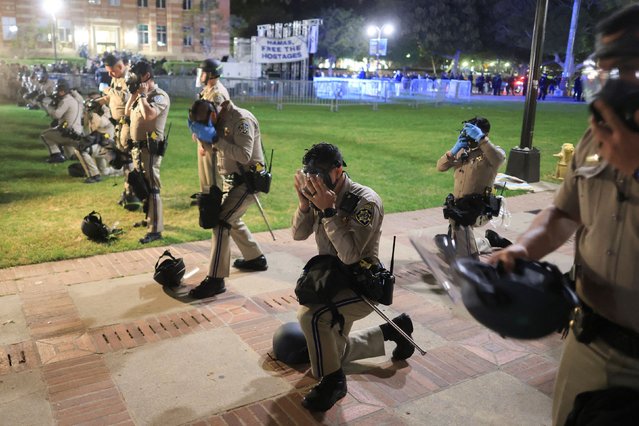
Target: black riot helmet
(94,229)
(529,303)
(62,85)
(169,272)
(212,67)
(289,344)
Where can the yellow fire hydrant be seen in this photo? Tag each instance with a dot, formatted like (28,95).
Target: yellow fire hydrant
(565,155)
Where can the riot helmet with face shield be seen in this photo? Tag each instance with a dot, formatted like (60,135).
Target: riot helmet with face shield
(611,73)
(211,67)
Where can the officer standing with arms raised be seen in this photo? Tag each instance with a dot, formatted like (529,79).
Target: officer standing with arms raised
(116,97)
(209,74)
(67,110)
(239,147)
(475,161)
(148,108)
(599,199)
(346,218)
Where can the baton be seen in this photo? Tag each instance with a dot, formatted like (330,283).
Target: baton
(392,324)
(259,206)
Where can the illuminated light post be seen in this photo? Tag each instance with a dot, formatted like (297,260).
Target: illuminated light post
(386,29)
(53,6)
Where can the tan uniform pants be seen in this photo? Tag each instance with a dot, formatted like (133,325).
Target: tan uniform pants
(122,136)
(151,166)
(590,367)
(327,349)
(52,138)
(465,242)
(234,205)
(207,170)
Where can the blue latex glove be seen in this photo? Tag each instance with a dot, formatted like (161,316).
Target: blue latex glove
(473,132)
(462,143)
(205,133)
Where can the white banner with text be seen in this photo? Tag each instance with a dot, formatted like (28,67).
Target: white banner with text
(279,50)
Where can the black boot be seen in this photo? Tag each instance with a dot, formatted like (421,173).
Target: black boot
(56,158)
(326,393)
(404,348)
(496,240)
(208,287)
(257,264)
(150,237)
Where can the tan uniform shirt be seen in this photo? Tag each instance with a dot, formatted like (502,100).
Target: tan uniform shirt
(351,237)
(477,172)
(117,96)
(159,100)
(607,204)
(101,123)
(216,94)
(69,110)
(240,140)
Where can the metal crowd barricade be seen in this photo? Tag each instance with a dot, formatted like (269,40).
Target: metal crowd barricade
(330,92)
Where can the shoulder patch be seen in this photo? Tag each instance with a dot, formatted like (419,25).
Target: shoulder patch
(243,127)
(158,98)
(364,214)
(218,99)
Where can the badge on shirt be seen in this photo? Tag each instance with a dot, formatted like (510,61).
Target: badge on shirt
(243,128)
(157,99)
(364,214)
(217,100)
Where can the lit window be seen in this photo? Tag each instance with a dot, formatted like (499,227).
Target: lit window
(9,28)
(161,35)
(143,34)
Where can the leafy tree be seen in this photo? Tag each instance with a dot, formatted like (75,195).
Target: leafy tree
(341,35)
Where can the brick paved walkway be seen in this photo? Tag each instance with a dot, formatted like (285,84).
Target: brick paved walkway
(96,341)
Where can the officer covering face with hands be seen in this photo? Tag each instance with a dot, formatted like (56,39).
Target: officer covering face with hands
(599,199)
(346,218)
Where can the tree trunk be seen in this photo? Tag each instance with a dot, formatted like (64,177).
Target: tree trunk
(569,62)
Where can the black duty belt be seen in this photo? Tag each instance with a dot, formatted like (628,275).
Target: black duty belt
(234,179)
(588,326)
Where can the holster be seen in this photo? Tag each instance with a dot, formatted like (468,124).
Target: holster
(157,147)
(209,206)
(373,281)
(256,181)
(138,184)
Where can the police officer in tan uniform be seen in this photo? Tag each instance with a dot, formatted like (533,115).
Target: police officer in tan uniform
(209,74)
(148,108)
(95,150)
(599,199)
(346,218)
(475,161)
(239,148)
(67,109)
(116,97)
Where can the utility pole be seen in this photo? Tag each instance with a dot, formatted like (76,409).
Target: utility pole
(524,161)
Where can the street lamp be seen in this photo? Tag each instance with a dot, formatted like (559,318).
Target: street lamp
(53,6)
(373,30)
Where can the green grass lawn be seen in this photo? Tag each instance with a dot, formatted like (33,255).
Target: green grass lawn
(393,150)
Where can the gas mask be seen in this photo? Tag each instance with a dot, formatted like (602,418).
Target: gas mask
(617,87)
(310,170)
(132,81)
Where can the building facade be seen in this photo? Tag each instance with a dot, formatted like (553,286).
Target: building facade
(172,29)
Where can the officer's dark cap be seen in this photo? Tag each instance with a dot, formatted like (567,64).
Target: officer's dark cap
(141,68)
(323,155)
